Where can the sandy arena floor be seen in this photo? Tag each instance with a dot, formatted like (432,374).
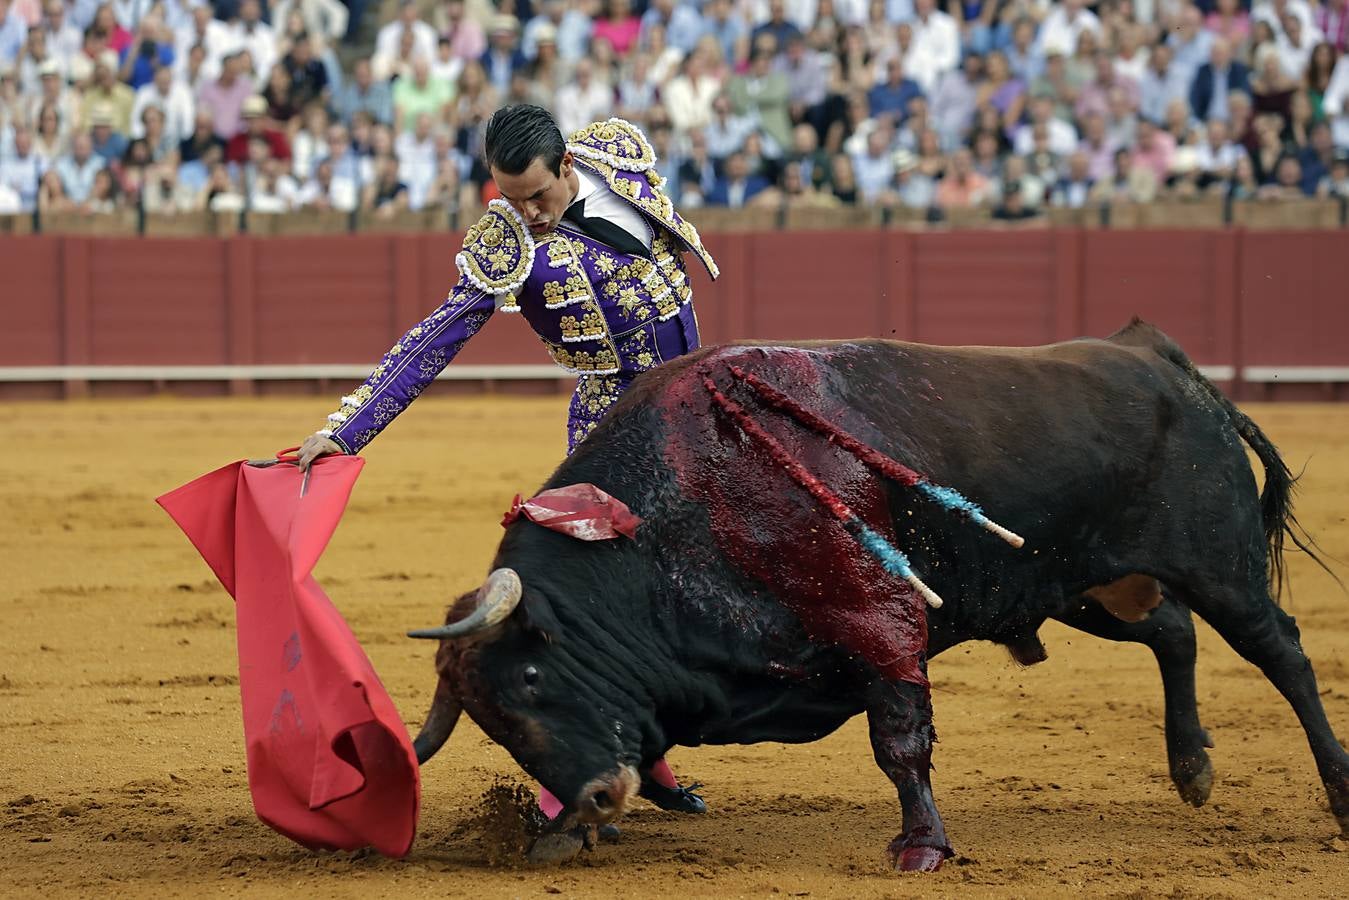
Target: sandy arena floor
(124,767)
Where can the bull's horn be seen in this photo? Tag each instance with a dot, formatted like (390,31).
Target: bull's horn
(440,722)
(496,600)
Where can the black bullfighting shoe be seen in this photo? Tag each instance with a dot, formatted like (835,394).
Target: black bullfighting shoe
(676,799)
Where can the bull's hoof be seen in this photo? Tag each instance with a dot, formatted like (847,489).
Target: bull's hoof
(560,847)
(920,859)
(1193,778)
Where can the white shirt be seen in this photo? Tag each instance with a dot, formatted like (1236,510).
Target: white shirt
(1212,159)
(1062,138)
(216,41)
(417,166)
(937,40)
(325,20)
(1060,33)
(576,107)
(1294,59)
(424,40)
(180,110)
(260,42)
(598,201)
(1265,12)
(800,13)
(10,205)
(1336,103)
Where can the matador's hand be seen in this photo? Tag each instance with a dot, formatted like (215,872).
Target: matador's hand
(314,446)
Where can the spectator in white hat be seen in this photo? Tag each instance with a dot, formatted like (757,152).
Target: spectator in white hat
(108,141)
(256,126)
(570,29)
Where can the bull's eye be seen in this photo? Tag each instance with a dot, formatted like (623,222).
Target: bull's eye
(531,675)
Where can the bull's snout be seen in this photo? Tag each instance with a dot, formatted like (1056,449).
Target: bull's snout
(605,798)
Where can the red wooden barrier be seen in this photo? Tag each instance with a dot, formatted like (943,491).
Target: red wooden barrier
(1265,306)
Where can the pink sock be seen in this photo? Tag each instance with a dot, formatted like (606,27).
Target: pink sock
(550,805)
(663,775)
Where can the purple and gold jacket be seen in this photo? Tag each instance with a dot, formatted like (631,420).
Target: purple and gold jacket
(599,312)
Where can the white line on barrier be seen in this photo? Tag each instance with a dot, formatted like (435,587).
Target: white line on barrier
(1296,374)
(261,373)
(356,372)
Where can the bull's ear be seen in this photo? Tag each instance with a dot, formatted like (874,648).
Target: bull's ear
(536,615)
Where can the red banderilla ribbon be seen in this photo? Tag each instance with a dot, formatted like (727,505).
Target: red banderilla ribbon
(582,511)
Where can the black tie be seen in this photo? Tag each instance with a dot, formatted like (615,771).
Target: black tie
(605,231)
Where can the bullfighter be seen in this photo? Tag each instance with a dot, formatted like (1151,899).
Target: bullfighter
(586,246)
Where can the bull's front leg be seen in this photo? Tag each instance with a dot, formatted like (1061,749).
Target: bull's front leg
(900,716)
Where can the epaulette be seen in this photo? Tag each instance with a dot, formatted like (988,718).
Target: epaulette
(615,142)
(498,252)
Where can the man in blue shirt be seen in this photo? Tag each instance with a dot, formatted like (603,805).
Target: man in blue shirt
(77,170)
(737,187)
(683,25)
(1214,80)
(891,97)
(108,143)
(13,33)
(142,57)
(363,93)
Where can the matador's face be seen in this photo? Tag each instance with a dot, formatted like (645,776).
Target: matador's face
(539,196)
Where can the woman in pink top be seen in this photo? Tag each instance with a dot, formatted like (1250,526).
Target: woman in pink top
(105,23)
(618,26)
(1230,21)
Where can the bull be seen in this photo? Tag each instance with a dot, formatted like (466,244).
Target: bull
(740,614)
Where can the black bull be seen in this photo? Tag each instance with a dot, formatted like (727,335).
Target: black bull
(1122,467)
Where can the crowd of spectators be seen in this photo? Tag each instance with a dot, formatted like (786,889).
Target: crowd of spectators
(1010,105)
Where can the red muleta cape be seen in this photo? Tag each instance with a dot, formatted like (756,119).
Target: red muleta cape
(330,764)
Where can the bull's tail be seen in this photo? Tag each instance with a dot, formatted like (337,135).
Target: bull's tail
(1276,499)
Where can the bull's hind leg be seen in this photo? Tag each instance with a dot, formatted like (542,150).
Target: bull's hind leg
(900,716)
(1169,633)
(1268,638)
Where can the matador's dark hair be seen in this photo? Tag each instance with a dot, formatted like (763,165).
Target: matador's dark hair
(518,135)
